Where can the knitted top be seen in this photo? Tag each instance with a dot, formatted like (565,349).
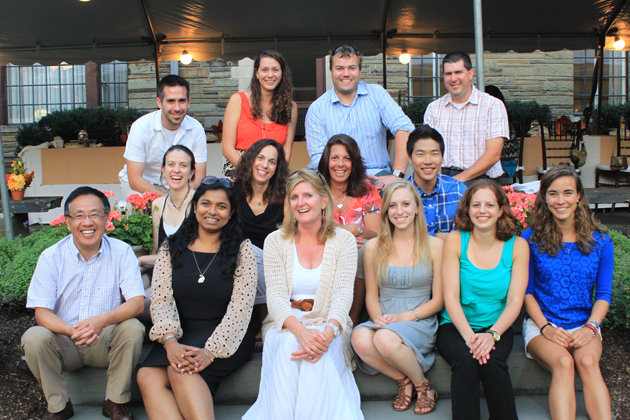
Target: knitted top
(563,285)
(228,335)
(334,291)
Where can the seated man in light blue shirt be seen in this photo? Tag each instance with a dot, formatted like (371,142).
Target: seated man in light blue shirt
(362,111)
(77,292)
(440,194)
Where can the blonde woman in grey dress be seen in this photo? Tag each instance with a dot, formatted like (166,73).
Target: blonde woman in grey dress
(403,296)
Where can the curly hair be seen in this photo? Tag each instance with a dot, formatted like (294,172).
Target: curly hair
(275,192)
(546,233)
(230,237)
(318,183)
(282,100)
(357,181)
(506,225)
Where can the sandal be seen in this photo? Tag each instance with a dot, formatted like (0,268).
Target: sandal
(403,400)
(423,398)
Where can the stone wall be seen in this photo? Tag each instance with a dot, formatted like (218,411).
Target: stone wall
(397,75)
(544,77)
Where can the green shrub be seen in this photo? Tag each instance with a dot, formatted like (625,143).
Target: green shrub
(528,111)
(18,259)
(415,110)
(32,135)
(619,312)
(611,115)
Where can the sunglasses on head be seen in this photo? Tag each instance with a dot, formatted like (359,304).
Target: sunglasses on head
(211,180)
(348,47)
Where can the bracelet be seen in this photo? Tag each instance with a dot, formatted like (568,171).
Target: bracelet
(545,326)
(590,327)
(207,354)
(167,337)
(416,314)
(594,323)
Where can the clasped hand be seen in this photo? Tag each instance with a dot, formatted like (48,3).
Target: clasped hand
(86,332)
(578,338)
(481,344)
(186,359)
(314,344)
(383,320)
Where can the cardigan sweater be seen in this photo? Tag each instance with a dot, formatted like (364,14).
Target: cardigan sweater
(227,336)
(335,289)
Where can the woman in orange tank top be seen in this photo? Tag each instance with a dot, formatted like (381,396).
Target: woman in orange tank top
(267,111)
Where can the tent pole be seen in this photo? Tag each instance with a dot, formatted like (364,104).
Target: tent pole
(6,209)
(384,41)
(157,64)
(481,83)
(384,23)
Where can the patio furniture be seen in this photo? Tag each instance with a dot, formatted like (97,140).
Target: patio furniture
(556,139)
(619,177)
(21,209)
(512,154)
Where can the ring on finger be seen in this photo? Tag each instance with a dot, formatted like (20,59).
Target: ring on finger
(310,357)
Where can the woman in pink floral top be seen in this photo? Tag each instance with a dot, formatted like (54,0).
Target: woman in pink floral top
(356,202)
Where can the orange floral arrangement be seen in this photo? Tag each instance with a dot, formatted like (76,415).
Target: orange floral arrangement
(19,180)
(522,205)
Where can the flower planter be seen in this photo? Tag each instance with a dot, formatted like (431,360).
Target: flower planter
(18,195)
(139,250)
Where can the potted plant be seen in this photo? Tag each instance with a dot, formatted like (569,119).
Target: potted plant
(415,110)
(18,180)
(123,122)
(527,112)
(522,205)
(218,130)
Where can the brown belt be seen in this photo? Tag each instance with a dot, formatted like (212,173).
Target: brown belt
(303,305)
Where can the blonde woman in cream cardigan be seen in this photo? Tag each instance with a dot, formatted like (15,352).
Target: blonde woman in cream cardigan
(309,271)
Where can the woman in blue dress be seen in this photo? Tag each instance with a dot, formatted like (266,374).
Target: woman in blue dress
(570,256)
(403,296)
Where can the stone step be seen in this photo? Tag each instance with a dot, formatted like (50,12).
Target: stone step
(87,386)
(528,407)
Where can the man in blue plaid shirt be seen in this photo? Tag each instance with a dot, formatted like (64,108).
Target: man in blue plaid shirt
(440,194)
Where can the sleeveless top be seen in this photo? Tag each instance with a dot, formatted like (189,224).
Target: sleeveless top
(257,227)
(163,227)
(483,293)
(249,131)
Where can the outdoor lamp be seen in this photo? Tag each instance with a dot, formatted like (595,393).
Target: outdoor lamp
(405,58)
(185,58)
(619,43)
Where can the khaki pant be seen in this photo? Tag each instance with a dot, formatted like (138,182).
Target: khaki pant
(117,349)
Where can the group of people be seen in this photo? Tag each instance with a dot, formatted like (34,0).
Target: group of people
(338,265)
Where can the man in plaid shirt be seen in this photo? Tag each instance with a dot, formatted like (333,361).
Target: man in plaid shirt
(473,123)
(440,193)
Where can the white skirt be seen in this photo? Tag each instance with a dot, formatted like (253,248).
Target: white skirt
(531,330)
(297,389)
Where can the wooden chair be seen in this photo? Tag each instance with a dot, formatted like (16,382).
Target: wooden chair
(615,178)
(556,140)
(512,154)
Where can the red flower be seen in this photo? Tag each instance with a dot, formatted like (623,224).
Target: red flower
(58,221)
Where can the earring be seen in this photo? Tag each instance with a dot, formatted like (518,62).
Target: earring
(323,216)
(294,221)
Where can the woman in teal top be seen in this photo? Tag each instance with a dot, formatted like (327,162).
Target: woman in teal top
(485,273)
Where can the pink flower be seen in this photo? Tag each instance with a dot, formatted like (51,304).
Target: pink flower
(110,227)
(108,193)
(58,221)
(150,196)
(114,215)
(137,202)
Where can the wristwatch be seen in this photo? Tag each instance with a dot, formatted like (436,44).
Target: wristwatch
(399,174)
(495,335)
(336,330)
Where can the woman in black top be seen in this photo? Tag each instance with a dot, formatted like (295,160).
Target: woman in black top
(259,186)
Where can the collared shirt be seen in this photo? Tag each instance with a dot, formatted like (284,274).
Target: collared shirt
(372,113)
(441,205)
(148,141)
(466,128)
(75,289)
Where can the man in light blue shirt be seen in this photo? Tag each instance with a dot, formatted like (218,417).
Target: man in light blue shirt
(362,111)
(77,292)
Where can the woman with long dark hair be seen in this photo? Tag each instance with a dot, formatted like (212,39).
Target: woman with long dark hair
(484,272)
(571,256)
(267,111)
(356,202)
(201,307)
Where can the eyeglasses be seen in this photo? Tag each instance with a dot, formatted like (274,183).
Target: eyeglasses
(347,47)
(211,180)
(81,217)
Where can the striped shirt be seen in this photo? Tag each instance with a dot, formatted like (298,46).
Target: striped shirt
(441,205)
(466,128)
(372,113)
(75,289)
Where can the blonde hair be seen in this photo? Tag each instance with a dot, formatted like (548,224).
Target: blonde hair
(384,242)
(290,227)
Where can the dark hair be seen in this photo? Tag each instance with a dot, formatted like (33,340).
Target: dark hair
(172,80)
(492,90)
(423,132)
(81,191)
(507,223)
(184,149)
(230,237)
(455,56)
(346,51)
(282,100)
(276,190)
(546,234)
(357,181)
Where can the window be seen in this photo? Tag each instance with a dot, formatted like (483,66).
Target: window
(425,77)
(34,91)
(114,90)
(615,78)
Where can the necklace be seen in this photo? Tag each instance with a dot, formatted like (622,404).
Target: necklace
(263,129)
(202,278)
(340,203)
(183,199)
